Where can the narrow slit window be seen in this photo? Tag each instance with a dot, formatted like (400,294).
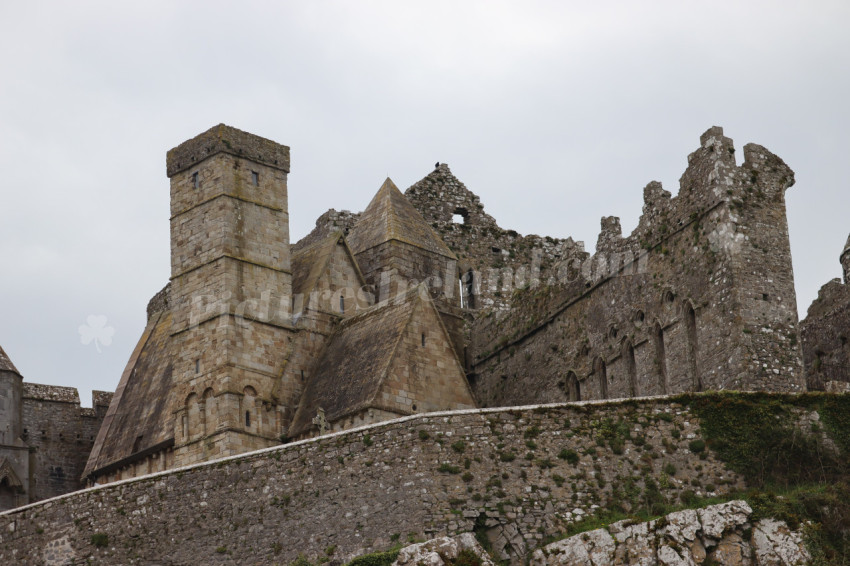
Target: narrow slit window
(341,304)
(247,418)
(195,181)
(423,339)
(255,178)
(197,366)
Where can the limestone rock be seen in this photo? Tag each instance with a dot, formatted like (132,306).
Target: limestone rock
(775,544)
(436,552)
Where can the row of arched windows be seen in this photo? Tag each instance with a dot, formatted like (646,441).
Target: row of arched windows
(599,368)
(200,417)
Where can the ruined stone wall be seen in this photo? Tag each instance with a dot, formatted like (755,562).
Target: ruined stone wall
(825,331)
(824,334)
(520,473)
(60,434)
(501,260)
(700,296)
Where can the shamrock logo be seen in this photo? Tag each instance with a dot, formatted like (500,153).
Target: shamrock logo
(96,330)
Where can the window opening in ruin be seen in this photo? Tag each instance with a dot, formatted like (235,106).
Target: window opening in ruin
(414,407)
(137,444)
(496,250)
(342,304)
(185,426)
(460,216)
(631,367)
(668,297)
(247,418)
(691,323)
(255,178)
(602,372)
(660,358)
(764,297)
(197,366)
(302,375)
(195,182)
(573,387)
(468,291)
(423,340)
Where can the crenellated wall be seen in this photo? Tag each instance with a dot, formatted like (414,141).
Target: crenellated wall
(700,296)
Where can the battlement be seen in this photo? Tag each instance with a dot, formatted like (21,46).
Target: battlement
(226,139)
(54,393)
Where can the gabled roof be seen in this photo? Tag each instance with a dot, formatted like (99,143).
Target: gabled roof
(309,262)
(8,474)
(140,406)
(6,364)
(390,216)
(355,362)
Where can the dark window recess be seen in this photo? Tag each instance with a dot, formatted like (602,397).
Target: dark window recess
(302,375)
(137,444)
(255,178)
(341,304)
(197,366)
(247,418)
(423,339)
(195,181)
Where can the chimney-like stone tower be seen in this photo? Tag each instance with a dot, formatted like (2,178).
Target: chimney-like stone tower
(231,291)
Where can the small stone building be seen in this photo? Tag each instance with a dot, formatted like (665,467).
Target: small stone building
(45,437)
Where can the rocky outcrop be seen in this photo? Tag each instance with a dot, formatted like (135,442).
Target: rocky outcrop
(440,551)
(720,534)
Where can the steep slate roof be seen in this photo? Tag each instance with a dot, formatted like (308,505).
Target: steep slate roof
(140,404)
(355,362)
(6,364)
(309,262)
(390,216)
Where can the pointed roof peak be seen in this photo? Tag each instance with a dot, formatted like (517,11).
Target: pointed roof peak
(6,364)
(390,216)
(388,186)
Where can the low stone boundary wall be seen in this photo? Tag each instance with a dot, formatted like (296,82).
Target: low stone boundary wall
(519,474)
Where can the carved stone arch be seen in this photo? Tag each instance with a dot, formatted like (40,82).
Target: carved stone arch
(689,317)
(208,415)
(9,478)
(657,334)
(572,387)
(600,370)
(189,417)
(667,298)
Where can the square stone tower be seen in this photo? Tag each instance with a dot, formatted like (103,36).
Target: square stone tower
(231,291)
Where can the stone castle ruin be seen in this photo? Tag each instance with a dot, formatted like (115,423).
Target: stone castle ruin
(422,303)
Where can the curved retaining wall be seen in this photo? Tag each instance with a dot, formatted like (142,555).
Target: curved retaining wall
(519,473)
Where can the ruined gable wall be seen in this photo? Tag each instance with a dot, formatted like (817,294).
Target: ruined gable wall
(500,259)
(676,306)
(62,435)
(421,476)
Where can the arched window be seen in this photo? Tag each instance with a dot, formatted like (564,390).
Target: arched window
(691,326)
(660,358)
(467,289)
(573,387)
(601,372)
(631,369)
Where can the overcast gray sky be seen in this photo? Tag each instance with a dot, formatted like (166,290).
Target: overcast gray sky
(555,113)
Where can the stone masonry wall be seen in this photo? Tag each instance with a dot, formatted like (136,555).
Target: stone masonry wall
(520,473)
(61,434)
